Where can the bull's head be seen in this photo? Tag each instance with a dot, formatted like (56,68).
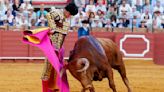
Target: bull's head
(79,65)
(78,68)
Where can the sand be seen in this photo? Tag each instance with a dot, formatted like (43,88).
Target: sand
(144,76)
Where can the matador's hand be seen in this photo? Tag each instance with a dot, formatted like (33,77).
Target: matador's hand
(51,32)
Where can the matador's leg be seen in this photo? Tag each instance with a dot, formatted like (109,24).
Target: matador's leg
(60,29)
(56,40)
(49,73)
(46,70)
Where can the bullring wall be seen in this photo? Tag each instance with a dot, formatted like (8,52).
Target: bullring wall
(139,45)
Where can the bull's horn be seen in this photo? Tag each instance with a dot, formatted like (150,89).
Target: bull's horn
(85,62)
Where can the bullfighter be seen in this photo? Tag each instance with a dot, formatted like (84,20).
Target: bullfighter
(57,21)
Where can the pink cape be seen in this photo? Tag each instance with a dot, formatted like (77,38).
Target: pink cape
(49,51)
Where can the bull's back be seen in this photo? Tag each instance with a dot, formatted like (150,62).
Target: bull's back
(112,51)
(91,48)
(89,42)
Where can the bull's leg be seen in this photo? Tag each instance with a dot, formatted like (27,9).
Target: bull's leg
(122,71)
(92,90)
(83,90)
(89,87)
(110,79)
(87,84)
(46,71)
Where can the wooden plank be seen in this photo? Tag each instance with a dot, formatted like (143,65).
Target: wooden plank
(109,35)
(125,30)
(159,48)
(12,44)
(140,30)
(3,28)
(158,30)
(35,52)
(69,42)
(99,29)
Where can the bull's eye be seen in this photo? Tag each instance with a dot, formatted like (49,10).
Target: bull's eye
(83,64)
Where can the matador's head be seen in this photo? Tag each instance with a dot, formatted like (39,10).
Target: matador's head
(70,9)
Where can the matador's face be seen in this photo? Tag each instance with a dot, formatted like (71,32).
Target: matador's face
(67,14)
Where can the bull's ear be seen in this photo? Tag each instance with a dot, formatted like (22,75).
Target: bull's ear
(70,55)
(71,52)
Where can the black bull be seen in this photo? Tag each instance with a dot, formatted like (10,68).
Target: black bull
(93,59)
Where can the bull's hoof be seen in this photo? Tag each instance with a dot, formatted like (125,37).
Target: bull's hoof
(88,87)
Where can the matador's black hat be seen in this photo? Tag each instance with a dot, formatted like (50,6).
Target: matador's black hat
(85,21)
(72,8)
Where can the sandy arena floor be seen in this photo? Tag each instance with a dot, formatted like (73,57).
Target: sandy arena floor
(144,76)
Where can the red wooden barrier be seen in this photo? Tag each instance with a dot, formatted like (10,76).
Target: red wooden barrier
(69,42)
(11,44)
(159,48)
(134,45)
(110,35)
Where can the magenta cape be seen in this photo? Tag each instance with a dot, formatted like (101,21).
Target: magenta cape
(41,40)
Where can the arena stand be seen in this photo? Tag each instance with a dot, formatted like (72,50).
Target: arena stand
(138,44)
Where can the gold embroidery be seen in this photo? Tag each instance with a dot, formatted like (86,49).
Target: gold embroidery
(60,27)
(56,22)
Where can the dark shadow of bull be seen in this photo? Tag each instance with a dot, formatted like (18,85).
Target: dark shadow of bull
(93,59)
